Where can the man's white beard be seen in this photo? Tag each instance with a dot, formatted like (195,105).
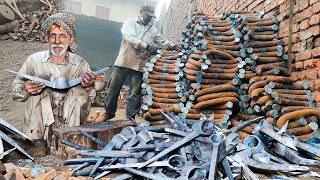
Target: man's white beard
(59,53)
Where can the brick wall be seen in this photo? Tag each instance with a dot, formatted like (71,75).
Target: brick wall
(177,17)
(306,29)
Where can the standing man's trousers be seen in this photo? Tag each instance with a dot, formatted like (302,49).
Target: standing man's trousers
(117,80)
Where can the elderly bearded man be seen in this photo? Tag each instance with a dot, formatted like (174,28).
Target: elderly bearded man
(141,39)
(45,107)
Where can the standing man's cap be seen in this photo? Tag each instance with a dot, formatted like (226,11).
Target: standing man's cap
(148,9)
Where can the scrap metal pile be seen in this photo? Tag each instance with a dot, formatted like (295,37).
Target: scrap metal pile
(196,149)
(233,68)
(26,27)
(231,71)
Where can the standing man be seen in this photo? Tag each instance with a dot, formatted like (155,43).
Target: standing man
(45,107)
(141,39)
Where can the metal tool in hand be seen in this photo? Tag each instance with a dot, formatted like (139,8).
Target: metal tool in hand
(174,162)
(57,82)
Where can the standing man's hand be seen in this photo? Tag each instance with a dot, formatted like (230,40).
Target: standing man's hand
(152,49)
(87,79)
(33,87)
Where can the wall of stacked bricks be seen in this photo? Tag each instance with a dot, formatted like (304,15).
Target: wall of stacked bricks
(306,29)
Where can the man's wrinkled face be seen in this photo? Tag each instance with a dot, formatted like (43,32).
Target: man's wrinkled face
(146,18)
(59,40)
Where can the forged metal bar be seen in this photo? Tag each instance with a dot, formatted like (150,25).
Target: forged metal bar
(92,138)
(2,155)
(275,136)
(147,175)
(82,160)
(218,147)
(202,127)
(9,140)
(73,145)
(174,162)
(184,134)
(13,129)
(293,156)
(110,153)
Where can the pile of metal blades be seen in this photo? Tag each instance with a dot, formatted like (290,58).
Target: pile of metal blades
(196,149)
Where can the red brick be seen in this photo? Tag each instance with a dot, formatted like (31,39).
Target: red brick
(259,7)
(318,70)
(317,63)
(296,37)
(284,6)
(310,82)
(299,65)
(19,175)
(303,55)
(313,1)
(315,19)
(295,9)
(315,8)
(25,171)
(283,24)
(47,176)
(316,94)
(307,64)
(311,74)
(302,4)
(283,33)
(316,42)
(312,31)
(315,30)
(271,6)
(296,47)
(295,76)
(295,28)
(285,40)
(253,5)
(304,24)
(303,15)
(316,52)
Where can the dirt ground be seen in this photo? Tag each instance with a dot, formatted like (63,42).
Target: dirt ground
(12,56)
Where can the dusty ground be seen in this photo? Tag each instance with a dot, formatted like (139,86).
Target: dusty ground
(12,55)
